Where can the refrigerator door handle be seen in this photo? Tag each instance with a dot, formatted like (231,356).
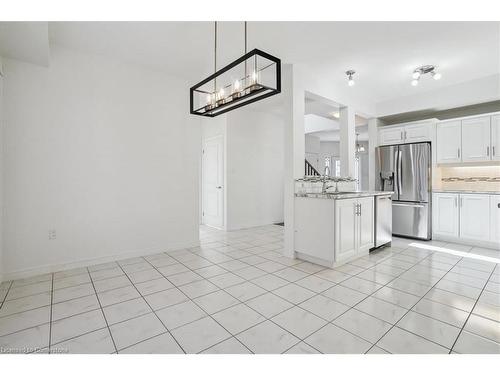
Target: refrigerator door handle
(400,172)
(396,173)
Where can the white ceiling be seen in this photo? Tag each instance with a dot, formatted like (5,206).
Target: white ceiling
(26,41)
(383,53)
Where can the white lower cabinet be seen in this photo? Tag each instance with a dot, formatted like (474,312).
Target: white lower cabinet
(354,227)
(475,217)
(366,222)
(328,231)
(345,229)
(445,219)
(469,217)
(495,218)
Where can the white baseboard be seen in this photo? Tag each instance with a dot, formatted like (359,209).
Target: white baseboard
(461,241)
(252,225)
(49,268)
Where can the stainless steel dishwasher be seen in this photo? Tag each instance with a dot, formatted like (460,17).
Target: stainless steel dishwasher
(383,220)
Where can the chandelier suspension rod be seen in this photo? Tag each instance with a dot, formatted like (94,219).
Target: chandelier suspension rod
(215,56)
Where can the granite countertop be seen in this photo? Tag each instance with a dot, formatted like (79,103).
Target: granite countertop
(466,192)
(344,195)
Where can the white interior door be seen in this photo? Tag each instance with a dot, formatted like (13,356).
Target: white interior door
(213,182)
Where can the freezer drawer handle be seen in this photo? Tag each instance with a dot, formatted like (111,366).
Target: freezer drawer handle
(409,205)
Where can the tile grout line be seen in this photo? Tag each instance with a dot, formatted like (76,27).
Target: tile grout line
(353,307)
(410,309)
(473,307)
(154,312)
(201,308)
(51,307)
(102,311)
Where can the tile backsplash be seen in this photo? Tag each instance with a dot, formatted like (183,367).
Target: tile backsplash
(478,178)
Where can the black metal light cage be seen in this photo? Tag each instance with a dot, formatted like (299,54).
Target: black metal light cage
(258,75)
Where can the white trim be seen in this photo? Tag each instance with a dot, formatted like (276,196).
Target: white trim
(418,122)
(461,241)
(469,117)
(35,271)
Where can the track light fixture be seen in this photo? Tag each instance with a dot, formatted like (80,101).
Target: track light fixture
(350,74)
(422,70)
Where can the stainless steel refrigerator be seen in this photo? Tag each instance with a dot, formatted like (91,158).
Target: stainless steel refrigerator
(406,170)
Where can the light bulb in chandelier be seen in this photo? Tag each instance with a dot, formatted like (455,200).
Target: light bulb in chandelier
(436,75)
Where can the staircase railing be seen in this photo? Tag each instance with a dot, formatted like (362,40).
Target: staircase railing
(309,169)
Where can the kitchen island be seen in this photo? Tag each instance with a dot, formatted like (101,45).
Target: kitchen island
(334,228)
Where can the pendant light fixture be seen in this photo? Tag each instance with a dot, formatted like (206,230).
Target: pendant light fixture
(254,76)
(359,147)
(350,77)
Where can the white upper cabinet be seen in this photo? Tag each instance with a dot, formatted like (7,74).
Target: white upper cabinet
(495,137)
(449,142)
(409,133)
(476,139)
(475,217)
(417,133)
(391,136)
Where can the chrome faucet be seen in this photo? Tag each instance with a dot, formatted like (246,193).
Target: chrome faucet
(326,174)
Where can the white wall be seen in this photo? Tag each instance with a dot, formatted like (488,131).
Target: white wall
(103,152)
(255,163)
(1,172)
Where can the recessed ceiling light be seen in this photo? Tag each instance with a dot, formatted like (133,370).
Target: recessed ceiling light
(336,114)
(414,82)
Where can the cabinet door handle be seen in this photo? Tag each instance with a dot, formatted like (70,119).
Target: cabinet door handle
(487,150)
(456,203)
(359,209)
(458,152)
(402,135)
(461,202)
(493,149)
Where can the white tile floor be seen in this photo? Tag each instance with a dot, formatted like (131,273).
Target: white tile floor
(236,293)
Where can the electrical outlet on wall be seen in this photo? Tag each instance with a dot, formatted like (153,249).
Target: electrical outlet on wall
(52,234)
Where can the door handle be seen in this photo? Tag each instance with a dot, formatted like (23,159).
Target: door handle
(218,187)
(408,205)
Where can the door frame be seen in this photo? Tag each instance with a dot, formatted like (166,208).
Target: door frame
(221,138)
